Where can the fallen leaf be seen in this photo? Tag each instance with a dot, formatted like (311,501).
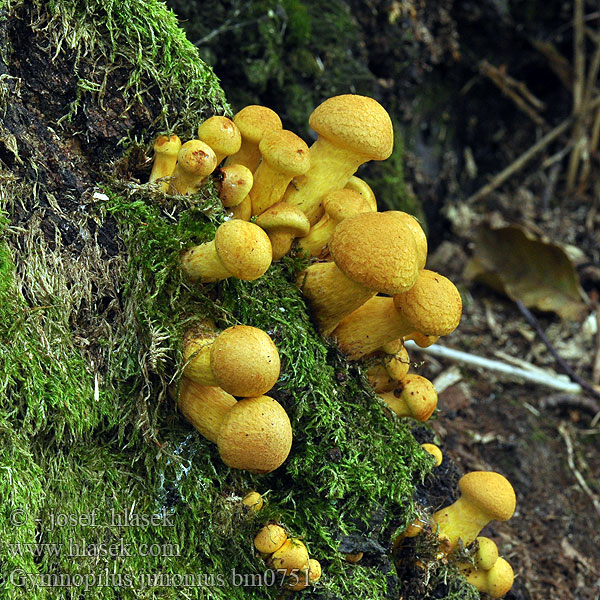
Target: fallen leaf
(517,263)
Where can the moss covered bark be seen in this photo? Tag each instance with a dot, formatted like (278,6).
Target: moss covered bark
(93,307)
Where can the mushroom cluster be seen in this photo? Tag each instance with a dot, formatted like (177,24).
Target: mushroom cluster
(366,286)
(288,556)
(253,433)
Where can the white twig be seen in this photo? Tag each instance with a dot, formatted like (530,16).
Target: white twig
(550,380)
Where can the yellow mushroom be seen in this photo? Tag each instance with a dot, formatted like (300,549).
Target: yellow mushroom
(253,122)
(291,557)
(496,581)
(284,155)
(432,307)
(485,496)
(302,579)
(195,162)
(371,252)
(222,135)
(240,249)
(388,368)
(435,452)
(254,501)
(417,231)
(242,360)
(362,187)
(166,149)
(283,223)
(415,397)
(235,184)
(252,434)
(270,538)
(352,130)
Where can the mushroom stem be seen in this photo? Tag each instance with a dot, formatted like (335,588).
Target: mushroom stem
(166,148)
(203,263)
(331,168)
(343,295)
(196,354)
(204,407)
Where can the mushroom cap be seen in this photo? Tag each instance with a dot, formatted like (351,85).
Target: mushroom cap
(417,230)
(236,184)
(221,134)
(487,553)
(491,492)
(377,251)
(419,394)
(358,123)
(435,452)
(362,187)
(500,578)
(197,158)
(270,538)
(344,203)
(253,500)
(244,249)
(291,556)
(256,435)
(284,216)
(167,144)
(433,305)
(245,361)
(285,152)
(255,121)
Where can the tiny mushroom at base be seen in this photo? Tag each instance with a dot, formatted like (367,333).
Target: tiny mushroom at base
(270,538)
(435,452)
(496,581)
(253,500)
(166,149)
(415,397)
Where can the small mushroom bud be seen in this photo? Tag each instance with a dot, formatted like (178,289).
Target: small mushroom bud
(497,581)
(415,398)
(486,555)
(236,182)
(283,223)
(254,501)
(432,307)
(166,148)
(284,155)
(292,556)
(354,557)
(222,135)
(240,249)
(421,340)
(435,452)
(270,538)
(352,130)
(485,496)
(253,122)
(306,577)
(372,252)
(195,162)
(242,360)
(338,205)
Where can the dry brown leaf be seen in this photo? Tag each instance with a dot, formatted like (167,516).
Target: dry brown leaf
(517,263)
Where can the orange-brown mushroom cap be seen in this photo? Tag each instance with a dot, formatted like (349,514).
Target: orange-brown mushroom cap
(256,435)
(377,251)
(369,132)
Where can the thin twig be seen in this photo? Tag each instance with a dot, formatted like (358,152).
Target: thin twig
(596,368)
(586,385)
(578,92)
(549,380)
(506,84)
(583,402)
(564,433)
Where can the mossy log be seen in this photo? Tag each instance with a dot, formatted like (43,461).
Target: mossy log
(93,307)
